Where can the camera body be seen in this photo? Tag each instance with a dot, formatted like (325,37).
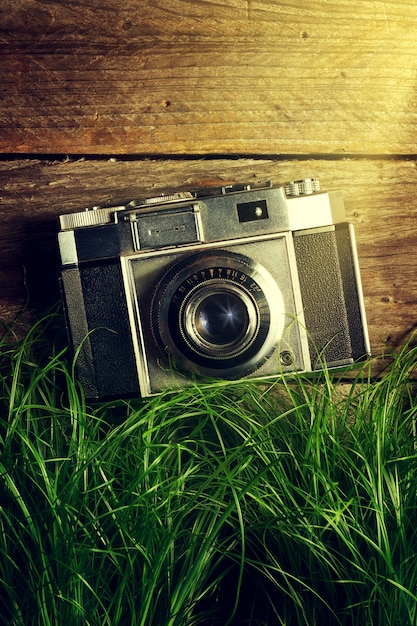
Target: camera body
(242,281)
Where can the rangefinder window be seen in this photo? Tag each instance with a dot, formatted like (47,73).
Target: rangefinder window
(251,211)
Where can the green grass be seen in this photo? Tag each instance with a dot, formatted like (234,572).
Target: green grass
(287,503)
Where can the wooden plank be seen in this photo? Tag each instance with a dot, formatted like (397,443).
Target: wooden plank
(248,77)
(379,198)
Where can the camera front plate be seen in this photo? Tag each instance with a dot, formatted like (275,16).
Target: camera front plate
(158,369)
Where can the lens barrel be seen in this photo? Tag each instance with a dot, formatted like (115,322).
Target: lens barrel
(218,313)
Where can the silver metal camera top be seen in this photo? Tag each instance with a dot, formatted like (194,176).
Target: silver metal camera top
(298,191)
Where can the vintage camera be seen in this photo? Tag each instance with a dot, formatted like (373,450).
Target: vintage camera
(243,281)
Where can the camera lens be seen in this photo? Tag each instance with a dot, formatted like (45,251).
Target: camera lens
(217,313)
(219,320)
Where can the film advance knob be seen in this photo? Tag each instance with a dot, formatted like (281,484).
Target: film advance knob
(304,187)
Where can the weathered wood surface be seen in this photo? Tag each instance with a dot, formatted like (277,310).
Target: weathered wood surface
(181,88)
(249,77)
(380,199)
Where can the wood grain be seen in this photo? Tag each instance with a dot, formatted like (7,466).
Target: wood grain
(380,200)
(183,93)
(223,77)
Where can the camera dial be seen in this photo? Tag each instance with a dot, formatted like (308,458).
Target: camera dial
(218,313)
(305,187)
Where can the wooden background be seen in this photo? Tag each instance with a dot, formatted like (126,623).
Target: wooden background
(107,100)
